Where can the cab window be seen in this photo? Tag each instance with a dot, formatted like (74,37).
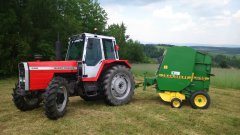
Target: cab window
(93,52)
(108,48)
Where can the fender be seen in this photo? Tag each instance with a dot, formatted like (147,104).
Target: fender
(105,64)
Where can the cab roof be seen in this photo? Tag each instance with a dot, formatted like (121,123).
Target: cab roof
(78,36)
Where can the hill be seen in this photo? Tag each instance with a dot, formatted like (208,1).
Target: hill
(219,50)
(229,51)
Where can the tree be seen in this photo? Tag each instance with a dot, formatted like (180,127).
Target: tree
(119,32)
(29,27)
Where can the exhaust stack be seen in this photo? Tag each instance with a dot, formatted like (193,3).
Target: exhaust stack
(58,49)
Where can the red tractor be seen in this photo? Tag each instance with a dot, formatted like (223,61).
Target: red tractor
(91,70)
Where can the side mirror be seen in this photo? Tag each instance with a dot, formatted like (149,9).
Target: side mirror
(116,47)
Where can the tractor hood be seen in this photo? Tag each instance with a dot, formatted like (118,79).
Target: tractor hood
(38,74)
(53,65)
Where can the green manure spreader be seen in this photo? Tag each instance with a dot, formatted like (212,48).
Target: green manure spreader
(183,74)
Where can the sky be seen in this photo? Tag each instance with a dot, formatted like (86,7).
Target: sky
(215,22)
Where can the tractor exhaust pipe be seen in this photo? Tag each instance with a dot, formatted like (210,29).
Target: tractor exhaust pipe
(58,49)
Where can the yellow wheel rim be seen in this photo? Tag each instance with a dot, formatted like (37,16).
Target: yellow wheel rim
(200,100)
(176,103)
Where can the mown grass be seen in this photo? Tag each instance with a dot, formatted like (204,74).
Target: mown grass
(224,78)
(146,114)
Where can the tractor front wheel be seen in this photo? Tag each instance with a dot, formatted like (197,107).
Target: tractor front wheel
(26,102)
(118,85)
(56,98)
(200,100)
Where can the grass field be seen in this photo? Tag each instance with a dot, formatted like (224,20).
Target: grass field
(146,114)
(224,78)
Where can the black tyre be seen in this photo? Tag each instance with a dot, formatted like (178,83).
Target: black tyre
(118,85)
(200,100)
(176,103)
(56,98)
(27,102)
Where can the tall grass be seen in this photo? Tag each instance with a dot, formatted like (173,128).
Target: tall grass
(141,69)
(224,78)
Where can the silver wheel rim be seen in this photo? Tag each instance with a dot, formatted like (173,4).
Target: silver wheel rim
(61,98)
(120,86)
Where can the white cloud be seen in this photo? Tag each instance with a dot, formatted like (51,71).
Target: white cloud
(205,3)
(169,22)
(180,21)
(236,16)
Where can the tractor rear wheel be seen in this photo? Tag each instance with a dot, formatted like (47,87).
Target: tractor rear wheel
(27,102)
(200,100)
(56,98)
(118,85)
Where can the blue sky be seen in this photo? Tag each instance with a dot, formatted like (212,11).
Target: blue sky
(214,22)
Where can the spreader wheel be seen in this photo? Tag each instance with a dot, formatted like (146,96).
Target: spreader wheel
(176,103)
(200,100)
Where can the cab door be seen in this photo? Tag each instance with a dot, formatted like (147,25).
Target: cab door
(93,57)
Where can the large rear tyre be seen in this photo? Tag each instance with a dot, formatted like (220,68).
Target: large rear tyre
(118,85)
(56,98)
(27,102)
(200,100)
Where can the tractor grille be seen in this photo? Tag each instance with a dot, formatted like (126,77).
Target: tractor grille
(21,70)
(21,76)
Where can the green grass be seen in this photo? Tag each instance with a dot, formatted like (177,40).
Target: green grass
(140,69)
(224,78)
(146,114)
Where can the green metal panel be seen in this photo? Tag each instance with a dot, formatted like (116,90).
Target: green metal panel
(183,68)
(176,68)
(202,69)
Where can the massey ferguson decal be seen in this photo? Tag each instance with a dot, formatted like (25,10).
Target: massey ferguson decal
(53,68)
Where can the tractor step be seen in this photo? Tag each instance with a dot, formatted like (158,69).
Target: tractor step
(91,89)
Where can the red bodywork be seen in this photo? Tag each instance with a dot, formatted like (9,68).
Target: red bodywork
(105,65)
(42,72)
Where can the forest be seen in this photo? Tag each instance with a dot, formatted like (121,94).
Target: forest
(30,27)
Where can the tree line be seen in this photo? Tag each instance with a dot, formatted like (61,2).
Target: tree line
(224,61)
(30,27)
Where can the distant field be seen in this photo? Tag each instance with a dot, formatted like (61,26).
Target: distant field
(145,115)
(224,78)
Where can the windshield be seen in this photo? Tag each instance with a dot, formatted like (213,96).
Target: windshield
(75,50)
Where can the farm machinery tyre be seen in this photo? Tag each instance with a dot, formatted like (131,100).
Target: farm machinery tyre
(118,85)
(27,102)
(176,103)
(56,98)
(200,100)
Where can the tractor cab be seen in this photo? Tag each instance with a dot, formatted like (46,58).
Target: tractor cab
(90,50)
